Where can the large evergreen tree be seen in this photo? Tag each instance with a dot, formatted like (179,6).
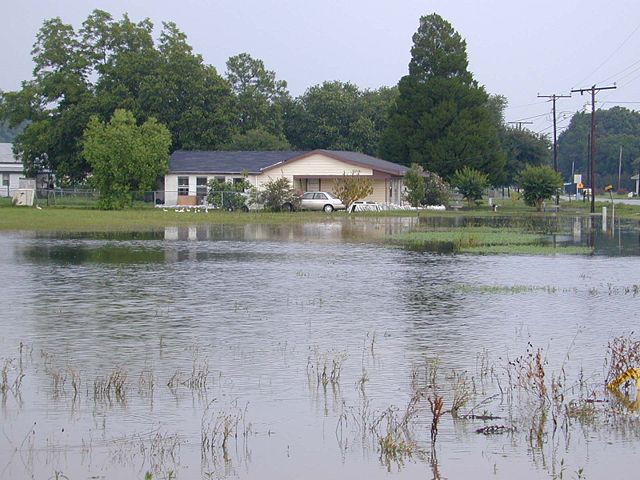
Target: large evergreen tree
(442,119)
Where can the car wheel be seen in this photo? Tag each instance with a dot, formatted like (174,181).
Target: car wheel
(328,208)
(245,209)
(287,207)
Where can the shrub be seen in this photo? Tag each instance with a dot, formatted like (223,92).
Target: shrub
(229,196)
(436,190)
(414,184)
(539,183)
(470,183)
(279,195)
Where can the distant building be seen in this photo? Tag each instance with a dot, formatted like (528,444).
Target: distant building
(11,171)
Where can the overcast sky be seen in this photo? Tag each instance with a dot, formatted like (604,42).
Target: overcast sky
(517,49)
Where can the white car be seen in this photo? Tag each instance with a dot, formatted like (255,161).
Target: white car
(321,201)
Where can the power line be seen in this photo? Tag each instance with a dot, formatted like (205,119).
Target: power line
(611,56)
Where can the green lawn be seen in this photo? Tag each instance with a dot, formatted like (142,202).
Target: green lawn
(143,219)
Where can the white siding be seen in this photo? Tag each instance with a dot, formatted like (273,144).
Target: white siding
(14,183)
(312,166)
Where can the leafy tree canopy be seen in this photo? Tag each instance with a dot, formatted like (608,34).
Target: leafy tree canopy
(338,116)
(125,157)
(259,95)
(616,127)
(523,148)
(257,139)
(105,65)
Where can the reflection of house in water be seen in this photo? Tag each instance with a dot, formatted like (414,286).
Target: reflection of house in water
(336,230)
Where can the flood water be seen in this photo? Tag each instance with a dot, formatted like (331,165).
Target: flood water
(139,350)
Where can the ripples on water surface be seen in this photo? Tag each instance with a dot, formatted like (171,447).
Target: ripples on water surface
(258,312)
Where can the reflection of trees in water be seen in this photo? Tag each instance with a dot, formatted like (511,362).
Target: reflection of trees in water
(427,288)
(81,254)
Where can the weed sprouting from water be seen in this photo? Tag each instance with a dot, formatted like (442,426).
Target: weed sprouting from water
(461,392)
(7,384)
(530,373)
(113,386)
(326,367)
(435,404)
(218,428)
(156,451)
(195,380)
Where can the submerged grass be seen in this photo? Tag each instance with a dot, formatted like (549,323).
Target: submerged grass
(484,240)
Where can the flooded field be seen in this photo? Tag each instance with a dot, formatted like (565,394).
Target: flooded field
(314,351)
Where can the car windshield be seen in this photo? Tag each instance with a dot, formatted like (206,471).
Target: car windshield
(331,195)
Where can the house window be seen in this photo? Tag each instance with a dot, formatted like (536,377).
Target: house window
(183,186)
(5,179)
(201,187)
(219,179)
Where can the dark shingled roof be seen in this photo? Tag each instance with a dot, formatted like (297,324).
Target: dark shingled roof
(183,161)
(213,162)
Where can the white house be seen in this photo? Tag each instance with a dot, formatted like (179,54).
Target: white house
(11,171)
(317,170)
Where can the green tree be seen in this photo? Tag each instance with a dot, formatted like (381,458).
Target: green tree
(616,127)
(124,156)
(523,148)
(539,184)
(352,187)
(257,139)
(414,183)
(259,96)
(442,118)
(471,183)
(105,65)
(338,116)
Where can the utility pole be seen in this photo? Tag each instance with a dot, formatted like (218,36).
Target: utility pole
(553,98)
(592,180)
(519,124)
(619,168)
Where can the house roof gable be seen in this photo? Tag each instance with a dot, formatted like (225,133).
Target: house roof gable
(254,162)
(6,154)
